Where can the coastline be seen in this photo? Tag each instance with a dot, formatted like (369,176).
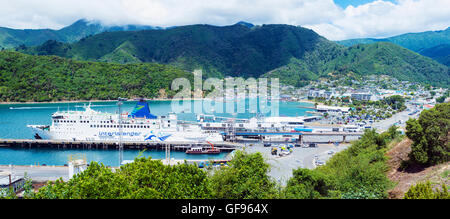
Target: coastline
(87,101)
(309,101)
(106,101)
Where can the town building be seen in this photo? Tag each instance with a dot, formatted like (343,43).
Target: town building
(361,96)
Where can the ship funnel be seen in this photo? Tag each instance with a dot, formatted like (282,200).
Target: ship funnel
(142,110)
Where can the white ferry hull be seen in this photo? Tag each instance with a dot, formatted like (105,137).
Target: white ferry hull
(134,136)
(91,125)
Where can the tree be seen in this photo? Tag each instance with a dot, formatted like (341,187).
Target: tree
(397,102)
(425,191)
(307,184)
(142,179)
(430,135)
(392,132)
(432,93)
(441,99)
(245,178)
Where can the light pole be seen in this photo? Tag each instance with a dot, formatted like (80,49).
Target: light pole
(119,104)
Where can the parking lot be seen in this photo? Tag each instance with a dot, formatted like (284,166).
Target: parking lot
(282,167)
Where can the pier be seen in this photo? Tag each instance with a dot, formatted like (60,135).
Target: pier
(138,145)
(225,146)
(316,137)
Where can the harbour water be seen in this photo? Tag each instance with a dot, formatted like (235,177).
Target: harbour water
(41,156)
(15,117)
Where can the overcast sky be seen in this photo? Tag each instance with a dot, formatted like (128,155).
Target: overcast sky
(335,20)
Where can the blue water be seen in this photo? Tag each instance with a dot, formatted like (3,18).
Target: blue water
(18,156)
(15,117)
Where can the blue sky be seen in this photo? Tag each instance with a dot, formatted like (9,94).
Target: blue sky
(345,3)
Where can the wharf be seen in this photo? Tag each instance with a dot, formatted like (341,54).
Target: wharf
(316,137)
(301,133)
(139,145)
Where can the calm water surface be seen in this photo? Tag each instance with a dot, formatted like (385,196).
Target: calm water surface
(15,117)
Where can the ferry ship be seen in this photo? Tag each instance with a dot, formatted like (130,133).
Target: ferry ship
(139,125)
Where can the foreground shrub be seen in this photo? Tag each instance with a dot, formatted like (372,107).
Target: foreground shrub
(245,178)
(142,179)
(425,191)
(430,136)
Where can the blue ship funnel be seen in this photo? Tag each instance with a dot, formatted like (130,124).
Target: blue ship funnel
(141,110)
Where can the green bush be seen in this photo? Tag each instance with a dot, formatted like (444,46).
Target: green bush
(142,179)
(307,184)
(430,135)
(245,178)
(357,172)
(425,191)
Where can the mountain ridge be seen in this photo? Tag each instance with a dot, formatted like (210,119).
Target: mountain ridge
(418,42)
(10,38)
(295,54)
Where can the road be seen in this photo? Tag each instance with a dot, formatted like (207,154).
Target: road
(384,125)
(39,173)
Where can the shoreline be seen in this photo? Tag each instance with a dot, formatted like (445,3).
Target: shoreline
(87,101)
(106,101)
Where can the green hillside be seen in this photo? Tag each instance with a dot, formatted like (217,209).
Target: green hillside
(294,54)
(10,38)
(412,41)
(231,50)
(379,58)
(440,53)
(390,59)
(50,78)
(422,43)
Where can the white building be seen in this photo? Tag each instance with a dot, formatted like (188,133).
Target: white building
(361,96)
(320,93)
(332,109)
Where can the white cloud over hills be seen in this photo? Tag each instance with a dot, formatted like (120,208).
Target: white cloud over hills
(376,19)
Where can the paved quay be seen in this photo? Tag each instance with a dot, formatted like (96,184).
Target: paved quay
(281,167)
(39,173)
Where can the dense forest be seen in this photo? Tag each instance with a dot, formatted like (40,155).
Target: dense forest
(11,38)
(378,58)
(50,78)
(433,44)
(294,54)
(412,41)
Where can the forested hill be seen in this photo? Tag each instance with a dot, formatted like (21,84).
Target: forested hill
(412,41)
(10,38)
(295,54)
(50,78)
(429,43)
(236,50)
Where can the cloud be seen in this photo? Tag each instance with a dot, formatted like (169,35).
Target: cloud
(383,19)
(375,19)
